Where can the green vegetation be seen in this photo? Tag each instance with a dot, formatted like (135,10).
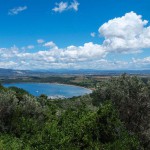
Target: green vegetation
(113,117)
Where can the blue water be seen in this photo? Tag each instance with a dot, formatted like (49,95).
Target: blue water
(51,89)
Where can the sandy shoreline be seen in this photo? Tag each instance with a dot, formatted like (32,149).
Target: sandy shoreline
(72,85)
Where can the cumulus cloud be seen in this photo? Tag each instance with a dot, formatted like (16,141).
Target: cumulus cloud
(17,10)
(127,34)
(88,56)
(8,64)
(63,6)
(50,44)
(143,63)
(29,47)
(53,57)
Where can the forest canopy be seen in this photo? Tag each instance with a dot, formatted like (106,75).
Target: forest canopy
(115,116)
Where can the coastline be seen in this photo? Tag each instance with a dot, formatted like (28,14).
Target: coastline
(91,89)
(86,91)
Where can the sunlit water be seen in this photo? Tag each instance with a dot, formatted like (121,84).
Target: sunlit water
(51,89)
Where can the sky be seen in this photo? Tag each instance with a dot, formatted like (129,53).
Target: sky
(75,34)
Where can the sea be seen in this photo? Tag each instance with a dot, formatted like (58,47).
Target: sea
(52,90)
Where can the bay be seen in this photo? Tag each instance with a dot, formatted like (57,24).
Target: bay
(52,90)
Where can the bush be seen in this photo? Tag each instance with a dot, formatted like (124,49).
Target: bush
(131,96)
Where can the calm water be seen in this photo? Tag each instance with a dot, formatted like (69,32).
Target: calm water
(51,89)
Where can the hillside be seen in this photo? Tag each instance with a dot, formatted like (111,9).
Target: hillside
(115,116)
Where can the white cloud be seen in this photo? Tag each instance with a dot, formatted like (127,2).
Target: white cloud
(53,57)
(50,44)
(40,41)
(17,10)
(8,64)
(88,56)
(63,6)
(93,34)
(127,34)
(60,7)
(143,63)
(24,48)
(74,5)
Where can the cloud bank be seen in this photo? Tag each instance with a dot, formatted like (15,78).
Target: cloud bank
(129,34)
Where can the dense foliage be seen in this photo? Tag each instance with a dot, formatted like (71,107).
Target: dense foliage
(131,96)
(114,117)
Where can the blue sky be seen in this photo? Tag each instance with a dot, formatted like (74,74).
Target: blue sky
(75,34)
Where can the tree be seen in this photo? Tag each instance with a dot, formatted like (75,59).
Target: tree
(131,96)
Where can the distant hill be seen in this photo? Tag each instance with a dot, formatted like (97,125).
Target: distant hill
(95,72)
(11,72)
